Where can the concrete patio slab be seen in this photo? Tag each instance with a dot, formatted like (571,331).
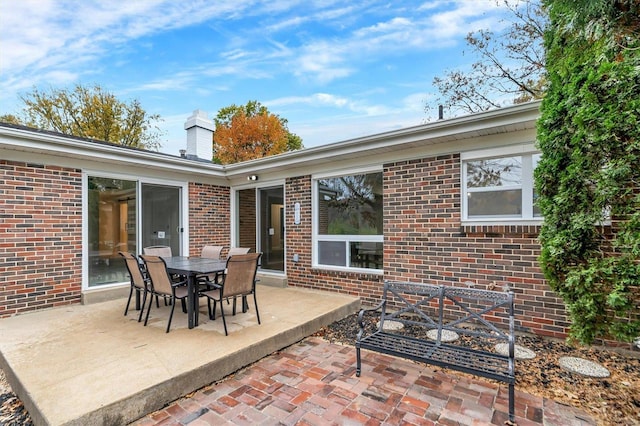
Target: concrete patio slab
(89,364)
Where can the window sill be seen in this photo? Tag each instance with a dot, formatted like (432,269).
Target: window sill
(343,270)
(485,229)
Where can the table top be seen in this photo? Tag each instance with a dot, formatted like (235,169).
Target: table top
(194,265)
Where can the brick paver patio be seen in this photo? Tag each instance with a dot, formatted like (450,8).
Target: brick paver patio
(313,383)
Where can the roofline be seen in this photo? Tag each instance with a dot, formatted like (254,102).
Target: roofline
(21,138)
(441,131)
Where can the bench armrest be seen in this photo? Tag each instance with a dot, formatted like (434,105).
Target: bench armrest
(361,317)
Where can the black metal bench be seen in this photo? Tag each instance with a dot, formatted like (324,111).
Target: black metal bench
(429,314)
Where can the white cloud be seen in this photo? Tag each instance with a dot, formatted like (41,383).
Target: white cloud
(249,49)
(323,130)
(317,99)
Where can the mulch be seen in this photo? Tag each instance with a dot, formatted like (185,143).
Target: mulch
(12,411)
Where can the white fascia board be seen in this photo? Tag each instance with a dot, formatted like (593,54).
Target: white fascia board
(59,145)
(503,120)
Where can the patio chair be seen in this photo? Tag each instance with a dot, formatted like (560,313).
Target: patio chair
(139,282)
(163,285)
(232,252)
(164,251)
(210,252)
(238,250)
(239,280)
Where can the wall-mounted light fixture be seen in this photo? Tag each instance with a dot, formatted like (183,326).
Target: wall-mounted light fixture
(252,177)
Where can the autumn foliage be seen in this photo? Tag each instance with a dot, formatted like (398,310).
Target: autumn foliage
(90,112)
(248,132)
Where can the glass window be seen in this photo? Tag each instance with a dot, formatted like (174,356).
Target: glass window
(494,187)
(112,228)
(536,210)
(495,203)
(349,221)
(500,187)
(351,205)
(494,172)
(332,253)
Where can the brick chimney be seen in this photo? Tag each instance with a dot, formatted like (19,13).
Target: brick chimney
(199,136)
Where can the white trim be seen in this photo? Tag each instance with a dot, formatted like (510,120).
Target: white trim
(233,206)
(139,180)
(503,151)
(526,153)
(347,239)
(349,172)
(350,270)
(503,222)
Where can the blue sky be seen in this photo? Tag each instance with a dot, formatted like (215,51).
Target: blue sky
(334,69)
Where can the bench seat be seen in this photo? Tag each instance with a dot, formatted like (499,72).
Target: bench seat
(480,318)
(468,360)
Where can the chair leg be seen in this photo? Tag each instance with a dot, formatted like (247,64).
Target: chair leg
(184,305)
(173,306)
(128,301)
(148,310)
(144,300)
(212,312)
(255,301)
(224,322)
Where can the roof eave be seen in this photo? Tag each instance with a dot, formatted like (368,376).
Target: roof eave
(522,116)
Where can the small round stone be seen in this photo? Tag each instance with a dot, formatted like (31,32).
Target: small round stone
(583,366)
(520,352)
(447,335)
(391,325)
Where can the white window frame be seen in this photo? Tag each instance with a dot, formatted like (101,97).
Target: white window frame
(184,193)
(526,152)
(347,239)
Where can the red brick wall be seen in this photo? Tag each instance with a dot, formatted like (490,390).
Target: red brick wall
(424,241)
(40,237)
(298,241)
(247,218)
(209,221)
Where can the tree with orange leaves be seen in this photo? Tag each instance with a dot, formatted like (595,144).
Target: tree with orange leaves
(250,131)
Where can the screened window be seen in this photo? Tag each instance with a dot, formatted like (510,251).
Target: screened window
(498,188)
(349,221)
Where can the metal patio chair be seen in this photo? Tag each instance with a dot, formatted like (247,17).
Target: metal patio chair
(163,285)
(164,251)
(238,250)
(139,282)
(239,280)
(210,252)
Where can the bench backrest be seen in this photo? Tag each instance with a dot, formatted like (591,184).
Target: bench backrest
(481,313)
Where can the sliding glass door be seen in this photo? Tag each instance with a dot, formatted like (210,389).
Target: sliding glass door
(161,217)
(112,224)
(126,215)
(271,219)
(260,224)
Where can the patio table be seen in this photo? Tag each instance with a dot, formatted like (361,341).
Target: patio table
(192,267)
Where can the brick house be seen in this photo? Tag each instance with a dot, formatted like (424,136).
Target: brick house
(445,202)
